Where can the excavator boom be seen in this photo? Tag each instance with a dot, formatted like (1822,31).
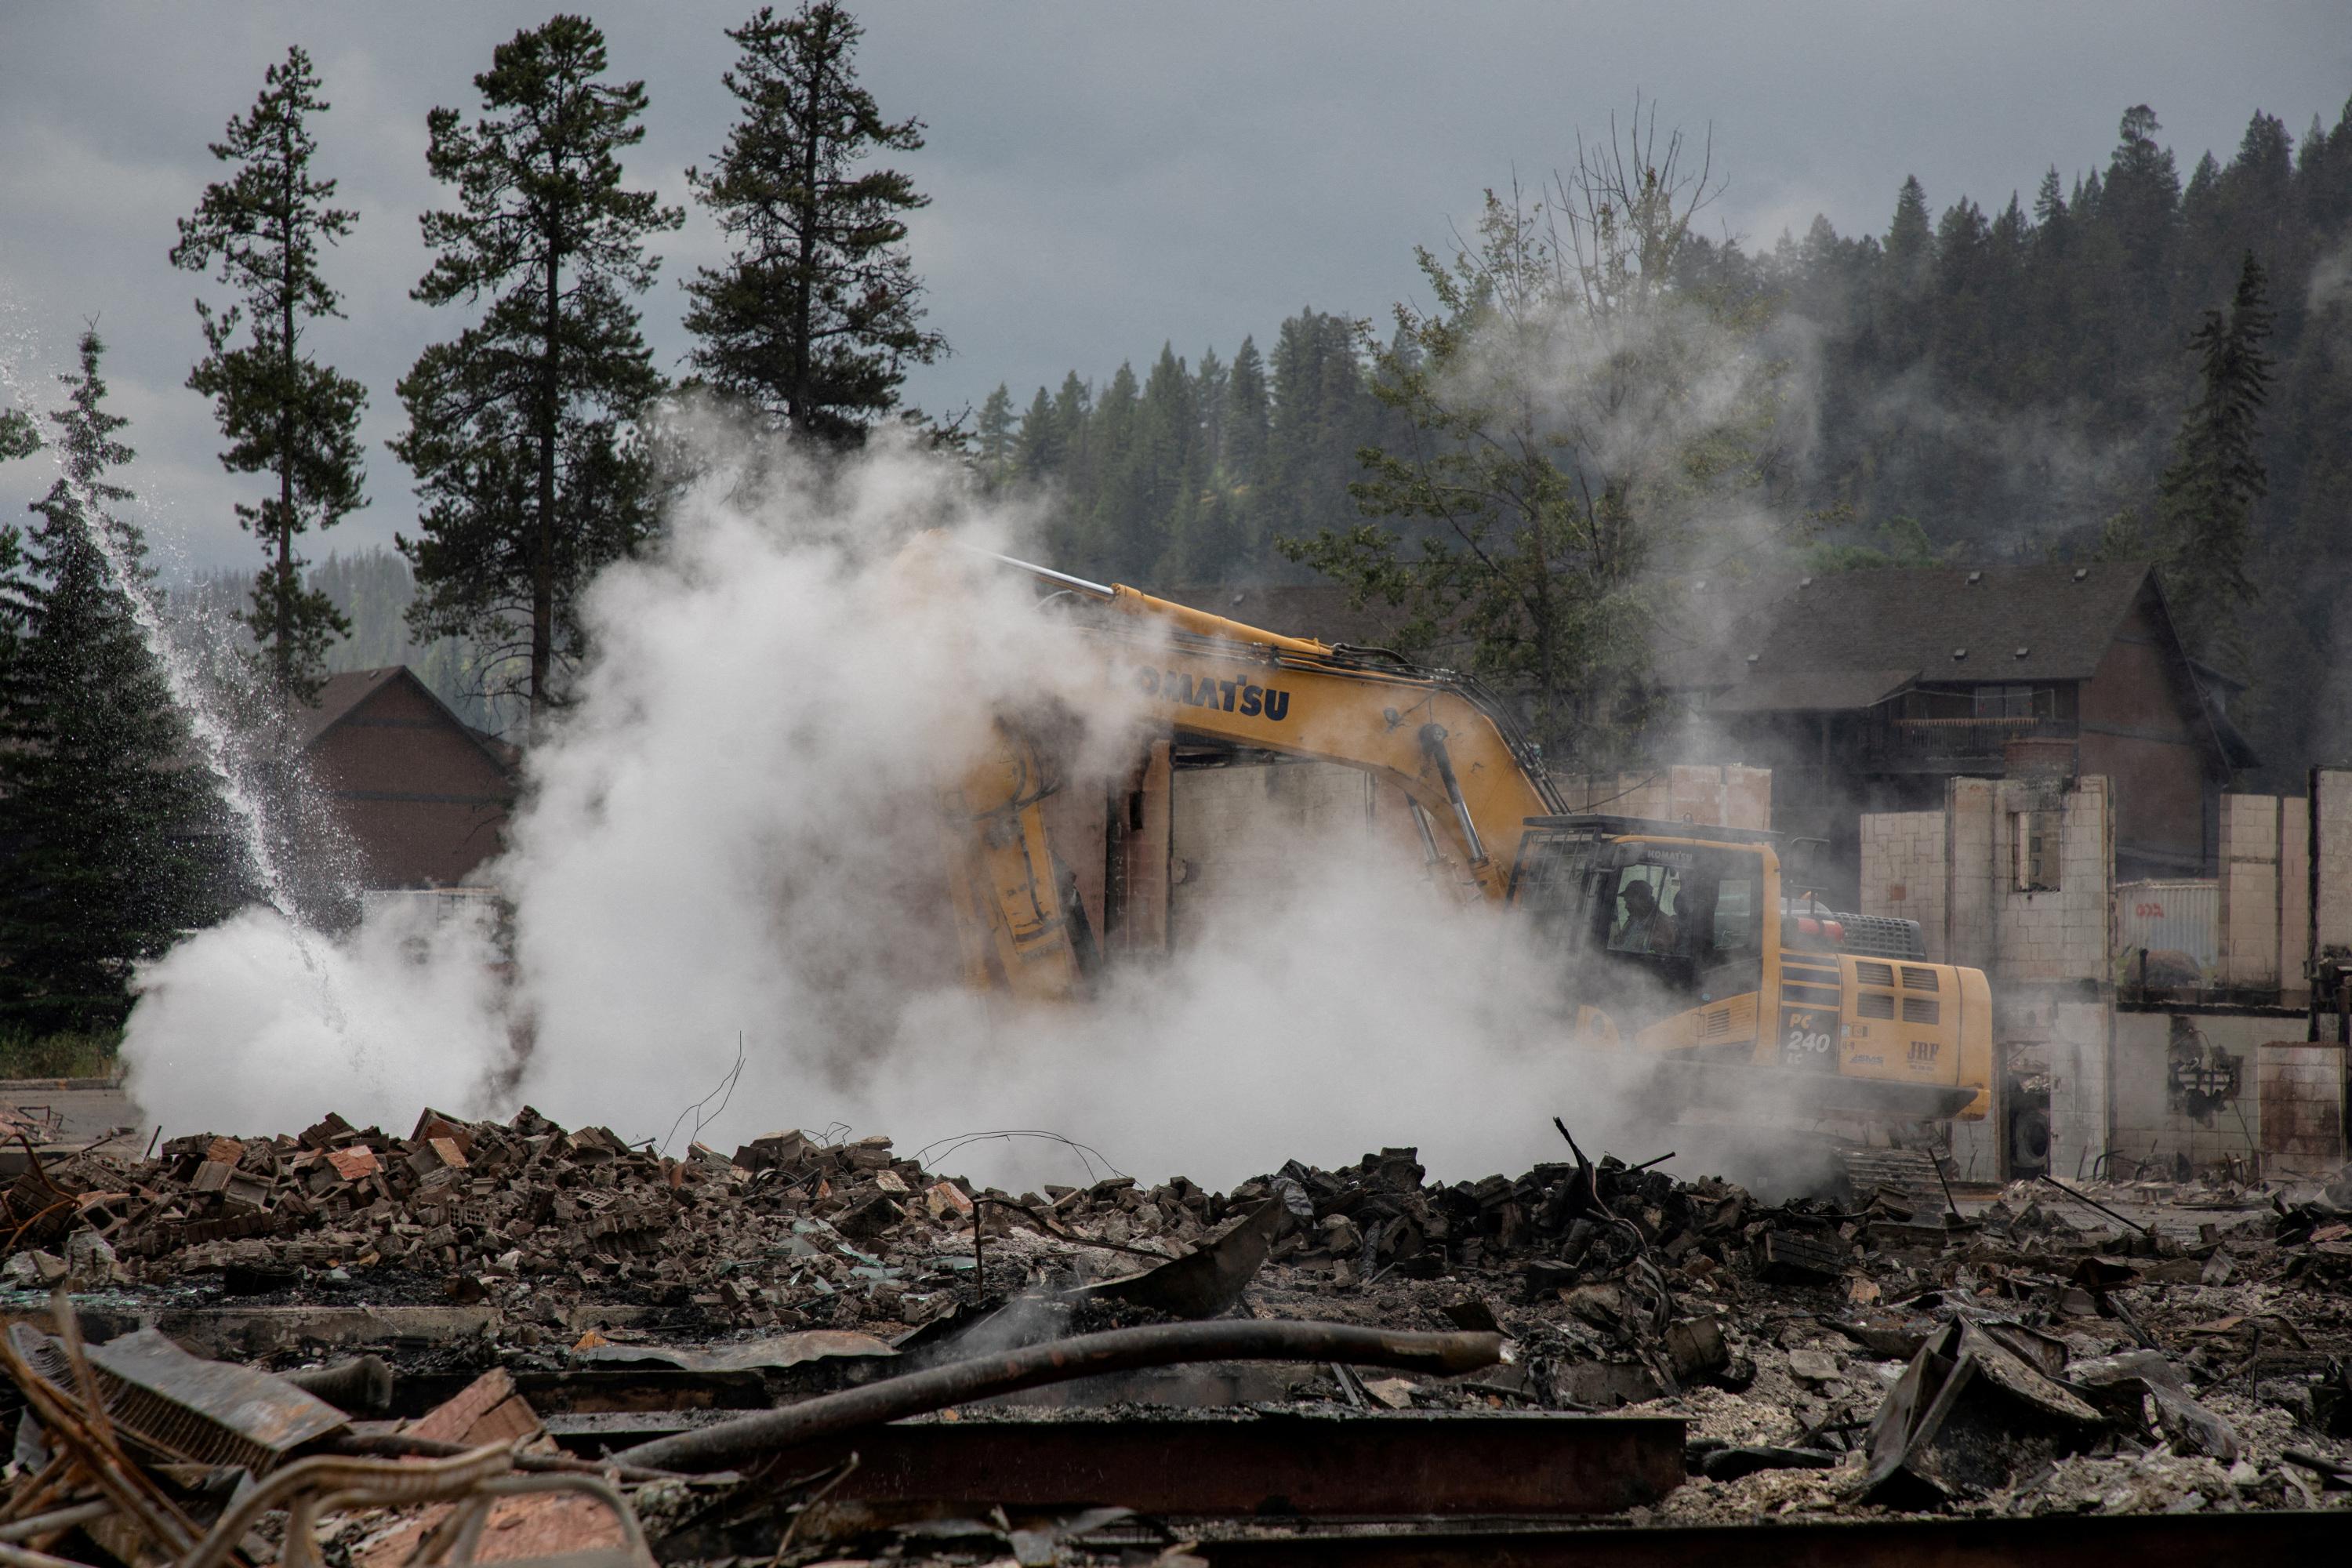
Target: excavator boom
(1439,738)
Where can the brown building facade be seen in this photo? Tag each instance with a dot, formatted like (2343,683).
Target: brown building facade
(1867,691)
(424,796)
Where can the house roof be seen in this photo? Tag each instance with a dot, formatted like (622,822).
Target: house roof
(338,694)
(1853,640)
(1833,642)
(341,696)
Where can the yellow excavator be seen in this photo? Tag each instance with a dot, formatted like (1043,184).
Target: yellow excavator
(1678,942)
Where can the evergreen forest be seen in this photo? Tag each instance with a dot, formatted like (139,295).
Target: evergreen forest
(2004,380)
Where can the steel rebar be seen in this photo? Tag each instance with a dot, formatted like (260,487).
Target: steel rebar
(2147,1230)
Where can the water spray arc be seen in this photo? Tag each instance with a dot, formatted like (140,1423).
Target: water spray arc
(225,757)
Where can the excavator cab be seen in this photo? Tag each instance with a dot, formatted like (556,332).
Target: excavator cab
(1675,939)
(1661,917)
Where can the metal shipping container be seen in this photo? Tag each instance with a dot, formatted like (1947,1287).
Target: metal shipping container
(2181,916)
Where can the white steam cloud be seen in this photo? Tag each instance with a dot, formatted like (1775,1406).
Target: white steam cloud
(732,837)
(2331,280)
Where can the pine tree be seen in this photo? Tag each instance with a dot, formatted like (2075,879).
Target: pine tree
(817,314)
(522,430)
(1961,326)
(1119,479)
(1905,272)
(2008,250)
(19,436)
(1321,414)
(2207,495)
(1069,529)
(1074,405)
(1243,444)
(1039,447)
(1167,451)
(1528,517)
(101,815)
(284,414)
(2139,206)
(996,434)
(1209,385)
(2248,204)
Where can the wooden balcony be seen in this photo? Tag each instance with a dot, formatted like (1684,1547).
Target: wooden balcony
(1954,745)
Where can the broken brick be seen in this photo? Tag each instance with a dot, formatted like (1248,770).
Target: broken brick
(486,1411)
(870,1218)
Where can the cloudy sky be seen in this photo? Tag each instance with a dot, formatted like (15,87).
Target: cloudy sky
(1103,177)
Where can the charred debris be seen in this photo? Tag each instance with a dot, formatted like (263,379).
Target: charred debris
(511,1341)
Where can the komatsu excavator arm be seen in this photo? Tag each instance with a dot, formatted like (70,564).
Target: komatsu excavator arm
(1439,738)
(1473,781)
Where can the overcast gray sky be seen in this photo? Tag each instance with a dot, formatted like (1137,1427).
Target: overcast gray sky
(1102,177)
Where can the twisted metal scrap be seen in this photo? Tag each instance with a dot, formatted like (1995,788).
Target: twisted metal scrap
(86,1443)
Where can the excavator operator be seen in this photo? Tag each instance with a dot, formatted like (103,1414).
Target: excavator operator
(1645,928)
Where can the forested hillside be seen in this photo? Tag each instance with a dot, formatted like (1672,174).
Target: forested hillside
(2004,380)
(1189,474)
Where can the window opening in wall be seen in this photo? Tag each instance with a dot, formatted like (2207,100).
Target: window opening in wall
(2034,837)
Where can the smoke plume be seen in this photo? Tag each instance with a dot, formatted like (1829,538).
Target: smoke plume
(731,844)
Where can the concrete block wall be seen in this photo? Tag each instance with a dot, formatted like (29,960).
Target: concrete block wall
(2083,1082)
(1905,871)
(2045,934)
(2294,898)
(2064,934)
(2250,890)
(2332,921)
(2050,955)
(2045,952)
(2302,1105)
(1978,861)
(2152,1120)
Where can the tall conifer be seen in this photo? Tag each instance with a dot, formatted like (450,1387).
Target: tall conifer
(817,313)
(1246,414)
(522,430)
(284,413)
(103,818)
(2207,493)
(996,434)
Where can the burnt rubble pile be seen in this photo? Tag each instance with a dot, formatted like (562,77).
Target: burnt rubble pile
(1558,1225)
(2061,1348)
(785,1232)
(2043,1354)
(788,1231)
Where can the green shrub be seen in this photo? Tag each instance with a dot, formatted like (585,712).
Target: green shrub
(75,1054)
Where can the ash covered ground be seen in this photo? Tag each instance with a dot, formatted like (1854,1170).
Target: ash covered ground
(2113,1348)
